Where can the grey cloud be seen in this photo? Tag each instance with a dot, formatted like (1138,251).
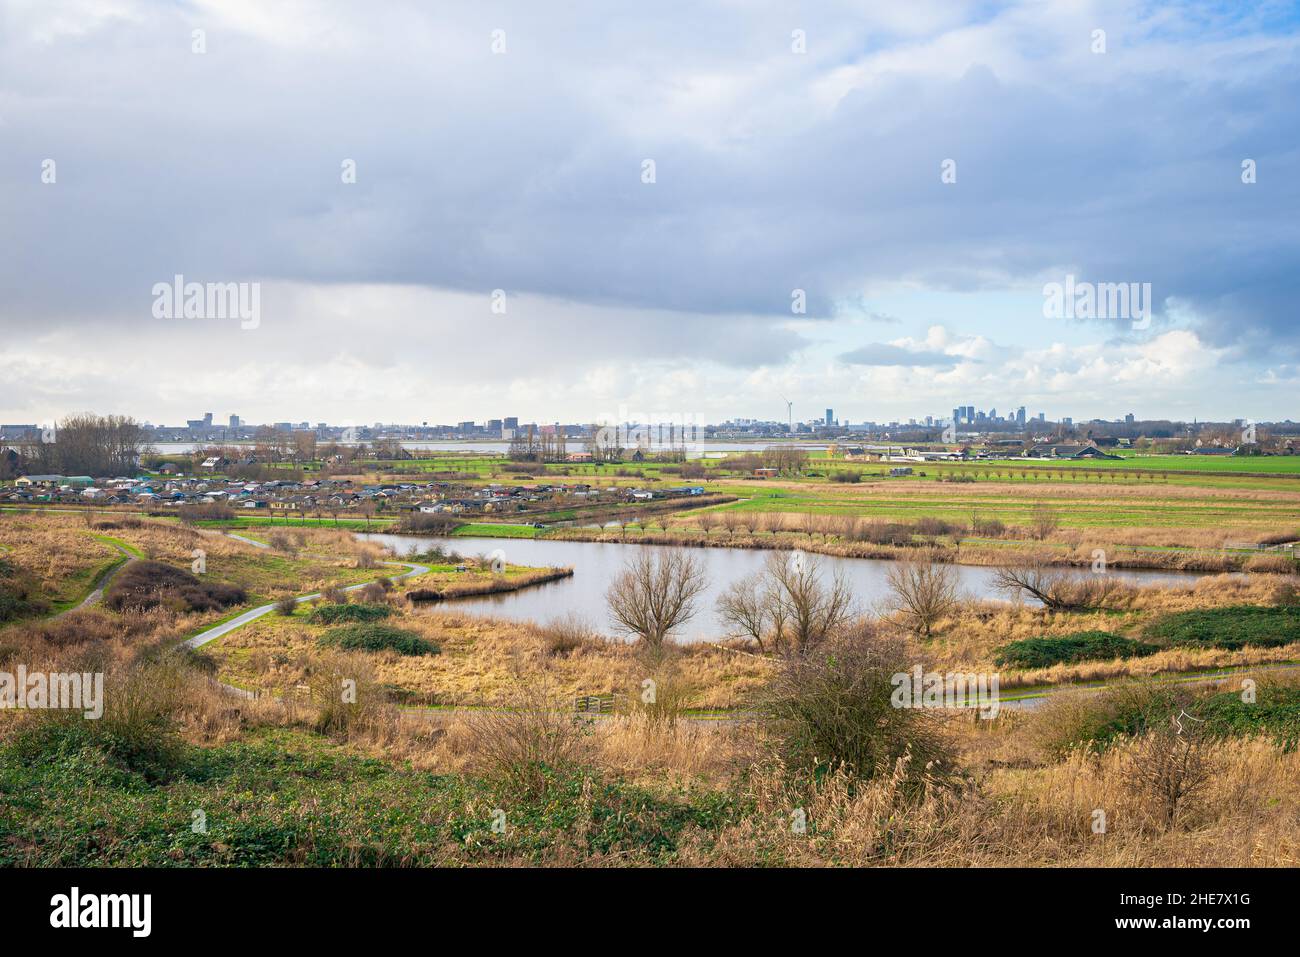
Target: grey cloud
(885,354)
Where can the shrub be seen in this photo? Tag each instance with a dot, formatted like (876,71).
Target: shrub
(922,592)
(563,636)
(375,637)
(885,533)
(526,742)
(347,696)
(372,593)
(1281,538)
(1276,564)
(334,595)
(428,524)
(988,527)
(16,600)
(75,628)
(148,584)
(189,514)
(847,476)
(333,614)
(1166,771)
(936,526)
(1230,628)
(832,710)
(1081,719)
(1274,713)
(137,733)
(286,606)
(1047,650)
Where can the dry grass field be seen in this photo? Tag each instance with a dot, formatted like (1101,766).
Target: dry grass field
(413,767)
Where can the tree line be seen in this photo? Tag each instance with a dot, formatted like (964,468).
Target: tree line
(86,444)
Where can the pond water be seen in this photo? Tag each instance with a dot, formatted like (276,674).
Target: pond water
(596,564)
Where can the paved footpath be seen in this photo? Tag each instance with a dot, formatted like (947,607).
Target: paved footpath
(226,627)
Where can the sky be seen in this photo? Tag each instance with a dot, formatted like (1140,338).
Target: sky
(697,209)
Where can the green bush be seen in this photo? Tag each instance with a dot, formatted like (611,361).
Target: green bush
(833,710)
(1275,713)
(1072,719)
(137,735)
(1230,628)
(333,614)
(1047,650)
(1132,709)
(374,637)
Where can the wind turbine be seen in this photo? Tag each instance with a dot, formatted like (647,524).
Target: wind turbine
(789,412)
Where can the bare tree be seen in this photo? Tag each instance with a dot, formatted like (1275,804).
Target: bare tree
(1035,578)
(655,593)
(745,607)
(922,592)
(1057,589)
(801,607)
(1044,521)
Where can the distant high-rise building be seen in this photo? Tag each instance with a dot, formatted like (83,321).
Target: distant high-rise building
(234,421)
(1129,418)
(207,419)
(830,418)
(1020,415)
(510,422)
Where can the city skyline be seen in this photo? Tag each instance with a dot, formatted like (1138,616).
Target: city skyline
(968,418)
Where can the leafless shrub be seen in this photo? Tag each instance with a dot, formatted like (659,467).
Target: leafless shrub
(563,636)
(347,696)
(923,591)
(787,607)
(745,606)
(524,739)
(833,710)
(1167,770)
(334,595)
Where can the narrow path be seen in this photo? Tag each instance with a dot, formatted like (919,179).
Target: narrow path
(1030,698)
(226,627)
(247,541)
(102,582)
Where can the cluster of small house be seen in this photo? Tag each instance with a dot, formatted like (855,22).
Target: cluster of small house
(316,494)
(966,454)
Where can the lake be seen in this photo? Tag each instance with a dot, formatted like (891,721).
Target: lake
(597,564)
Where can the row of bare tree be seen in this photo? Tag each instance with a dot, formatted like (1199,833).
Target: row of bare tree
(791,606)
